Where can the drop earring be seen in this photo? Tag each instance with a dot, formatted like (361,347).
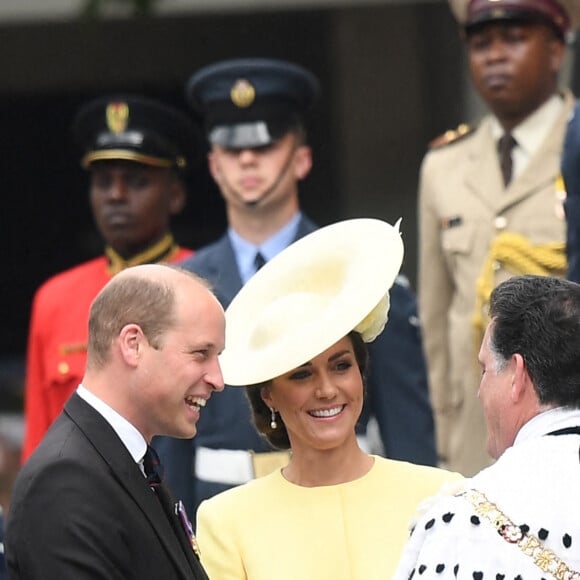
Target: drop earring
(273,422)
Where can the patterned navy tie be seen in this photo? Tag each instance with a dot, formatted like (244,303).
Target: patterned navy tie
(152,467)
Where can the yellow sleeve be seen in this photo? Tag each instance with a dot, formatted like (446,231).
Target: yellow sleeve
(220,551)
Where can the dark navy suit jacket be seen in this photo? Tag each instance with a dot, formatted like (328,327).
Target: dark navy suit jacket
(81,509)
(397,391)
(571,175)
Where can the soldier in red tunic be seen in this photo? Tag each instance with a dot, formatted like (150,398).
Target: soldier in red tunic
(136,151)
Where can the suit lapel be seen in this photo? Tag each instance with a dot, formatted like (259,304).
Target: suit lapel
(127,473)
(224,271)
(168,503)
(483,176)
(305,227)
(223,268)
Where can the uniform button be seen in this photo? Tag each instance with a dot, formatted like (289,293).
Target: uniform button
(63,368)
(496,265)
(500,222)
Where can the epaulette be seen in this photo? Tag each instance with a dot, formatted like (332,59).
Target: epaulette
(452,135)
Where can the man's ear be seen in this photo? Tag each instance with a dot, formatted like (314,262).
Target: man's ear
(213,166)
(557,54)
(521,379)
(131,339)
(177,196)
(302,161)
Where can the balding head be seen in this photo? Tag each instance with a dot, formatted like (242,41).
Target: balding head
(144,295)
(155,334)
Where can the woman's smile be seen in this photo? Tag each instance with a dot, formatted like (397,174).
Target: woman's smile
(327,413)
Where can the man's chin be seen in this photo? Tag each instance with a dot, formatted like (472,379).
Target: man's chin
(183,434)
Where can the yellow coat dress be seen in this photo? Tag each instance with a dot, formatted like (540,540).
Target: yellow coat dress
(272,529)
(463,207)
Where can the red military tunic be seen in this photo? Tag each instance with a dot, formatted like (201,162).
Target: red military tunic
(57,342)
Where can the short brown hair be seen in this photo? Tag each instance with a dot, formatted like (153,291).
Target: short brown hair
(131,299)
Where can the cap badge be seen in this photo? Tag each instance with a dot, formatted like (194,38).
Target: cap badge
(242,94)
(117,117)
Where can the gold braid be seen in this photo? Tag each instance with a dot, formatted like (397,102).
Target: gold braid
(514,253)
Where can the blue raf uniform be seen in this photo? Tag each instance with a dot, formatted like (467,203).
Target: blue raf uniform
(227,444)
(571,176)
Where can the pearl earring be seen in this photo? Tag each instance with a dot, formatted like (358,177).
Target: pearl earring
(273,423)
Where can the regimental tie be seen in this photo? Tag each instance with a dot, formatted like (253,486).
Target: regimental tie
(259,261)
(154,475)
(153,468)
(506,145)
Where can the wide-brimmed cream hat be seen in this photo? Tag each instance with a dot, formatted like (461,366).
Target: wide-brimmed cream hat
(309,296)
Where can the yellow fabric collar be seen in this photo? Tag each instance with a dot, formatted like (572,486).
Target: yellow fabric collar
(163,251)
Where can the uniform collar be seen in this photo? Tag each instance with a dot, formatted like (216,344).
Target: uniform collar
(532,131)
(164,250)
(245,252)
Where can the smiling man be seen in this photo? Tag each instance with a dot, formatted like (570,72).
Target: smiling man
(136,151)
(488,201)
(90,502)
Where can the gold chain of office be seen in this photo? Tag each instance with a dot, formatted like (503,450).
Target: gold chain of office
(546,559)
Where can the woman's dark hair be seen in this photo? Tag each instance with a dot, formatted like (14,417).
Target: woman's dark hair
(261,412)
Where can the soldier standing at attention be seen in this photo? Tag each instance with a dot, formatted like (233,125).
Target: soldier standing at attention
(136,151)
(488,204)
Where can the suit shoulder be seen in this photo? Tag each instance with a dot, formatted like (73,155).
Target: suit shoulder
(452,136)
(204,256)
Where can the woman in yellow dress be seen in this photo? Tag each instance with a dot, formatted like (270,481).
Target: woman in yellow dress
(295,337)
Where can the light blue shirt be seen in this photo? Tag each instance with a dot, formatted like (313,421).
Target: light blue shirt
(245,252)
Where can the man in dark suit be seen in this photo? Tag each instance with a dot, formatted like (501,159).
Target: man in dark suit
(254,114)
(90,503)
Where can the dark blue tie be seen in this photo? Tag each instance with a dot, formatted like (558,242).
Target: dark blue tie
(259,261)
(152,467)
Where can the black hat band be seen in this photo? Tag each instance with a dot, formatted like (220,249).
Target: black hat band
(149,149)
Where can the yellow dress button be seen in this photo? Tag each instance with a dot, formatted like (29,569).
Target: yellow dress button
(500,222)
(63,368)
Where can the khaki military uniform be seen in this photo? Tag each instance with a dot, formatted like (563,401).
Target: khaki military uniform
(463,207)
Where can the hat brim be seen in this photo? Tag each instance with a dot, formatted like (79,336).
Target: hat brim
(459,8)
(248,135)
(125,155)
(308,297)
